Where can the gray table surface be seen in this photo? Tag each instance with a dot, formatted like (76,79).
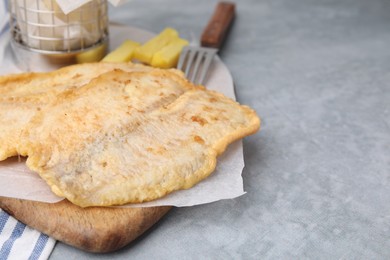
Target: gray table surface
(317,175)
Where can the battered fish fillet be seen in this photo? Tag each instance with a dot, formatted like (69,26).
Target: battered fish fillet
(130,137)
(27,84)
(22,95)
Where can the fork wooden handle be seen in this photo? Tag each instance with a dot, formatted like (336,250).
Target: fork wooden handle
(216,30)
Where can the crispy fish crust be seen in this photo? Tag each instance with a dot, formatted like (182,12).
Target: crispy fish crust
(22,95)
(129,137)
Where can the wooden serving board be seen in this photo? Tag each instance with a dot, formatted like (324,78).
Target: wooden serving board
(94,229)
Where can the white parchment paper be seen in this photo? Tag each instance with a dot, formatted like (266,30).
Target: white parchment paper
(17,181)
(68,6)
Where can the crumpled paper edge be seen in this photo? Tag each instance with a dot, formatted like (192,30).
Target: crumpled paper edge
(68,6)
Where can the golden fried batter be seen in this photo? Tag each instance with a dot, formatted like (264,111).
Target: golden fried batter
(130,137)
(22,95)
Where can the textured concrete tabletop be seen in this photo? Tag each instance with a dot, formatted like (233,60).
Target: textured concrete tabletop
(317,175)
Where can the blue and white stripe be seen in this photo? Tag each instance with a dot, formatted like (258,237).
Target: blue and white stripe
(18,241)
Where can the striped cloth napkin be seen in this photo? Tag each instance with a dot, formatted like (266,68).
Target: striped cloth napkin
(17,241)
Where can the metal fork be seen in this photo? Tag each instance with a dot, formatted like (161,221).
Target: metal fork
(195,61)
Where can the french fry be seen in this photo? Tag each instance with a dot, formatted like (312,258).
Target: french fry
(93,55)
(145,52)
(123,53)
(168,56)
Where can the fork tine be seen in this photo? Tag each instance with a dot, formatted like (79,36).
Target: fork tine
(190,58)
(206,65)
(199,58)
(182,58)
(195,61)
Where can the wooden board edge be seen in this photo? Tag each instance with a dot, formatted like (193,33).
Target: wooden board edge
(95,229)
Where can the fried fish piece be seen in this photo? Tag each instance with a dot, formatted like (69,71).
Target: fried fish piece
(22,95)
(130,137)
(54,82)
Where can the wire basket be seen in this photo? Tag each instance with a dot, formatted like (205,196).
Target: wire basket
(41,26)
